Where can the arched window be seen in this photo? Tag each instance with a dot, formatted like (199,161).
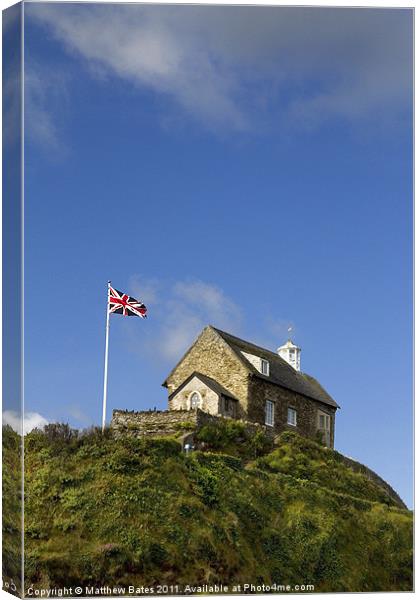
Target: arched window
(195,400)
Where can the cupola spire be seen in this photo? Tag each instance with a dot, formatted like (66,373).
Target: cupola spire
(290,353)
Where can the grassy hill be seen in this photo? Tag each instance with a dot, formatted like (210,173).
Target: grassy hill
(140,512)
(12,505)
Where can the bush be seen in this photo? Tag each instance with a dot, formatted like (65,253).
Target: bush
(220,434)
(60,432)
(260,443)
(185,426)
(233,437)
(140,512)
(206,483)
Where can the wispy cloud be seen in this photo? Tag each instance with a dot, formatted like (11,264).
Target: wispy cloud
(79,415)
(45,97)
(11,106)
(12,84)
(233,67)
(276,331)
(178,312)
(31,420)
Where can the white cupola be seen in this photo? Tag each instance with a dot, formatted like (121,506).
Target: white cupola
(291,354)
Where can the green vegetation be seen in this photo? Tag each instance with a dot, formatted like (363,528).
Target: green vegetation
(140,512)
(12,506)
(234,438)
(305,459)
(185,426)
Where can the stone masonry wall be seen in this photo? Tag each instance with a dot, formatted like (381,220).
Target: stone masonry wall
(307,410)
(211,356)
(164,422)
(181,400)
(167,422)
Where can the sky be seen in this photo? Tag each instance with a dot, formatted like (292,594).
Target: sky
(245,167)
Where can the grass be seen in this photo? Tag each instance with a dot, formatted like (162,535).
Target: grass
(12,506)
(140,512)
(305,459)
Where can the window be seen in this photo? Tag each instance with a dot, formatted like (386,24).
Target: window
(227,405)
(291,416)
(324,427)
(269,413)
(265,367)
(324,422)
(195,400)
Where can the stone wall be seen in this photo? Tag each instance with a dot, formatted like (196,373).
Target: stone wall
(210,400)
(306,409)
(159,422)
(168,422)
(211,356)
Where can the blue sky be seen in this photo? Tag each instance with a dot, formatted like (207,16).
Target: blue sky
(245,167)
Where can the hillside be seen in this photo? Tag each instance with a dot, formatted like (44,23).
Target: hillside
(139,512)
(12,505)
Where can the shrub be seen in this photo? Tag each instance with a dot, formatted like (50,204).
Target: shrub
(185,426)
(60,432)
(319,438)
(205,482)
(220,434)
(139,511)
(260,443)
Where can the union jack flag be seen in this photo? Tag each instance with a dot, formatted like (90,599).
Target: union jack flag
(126,305)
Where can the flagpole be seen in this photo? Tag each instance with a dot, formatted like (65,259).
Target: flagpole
(106,361)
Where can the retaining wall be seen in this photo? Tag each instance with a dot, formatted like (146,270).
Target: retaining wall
(167,422)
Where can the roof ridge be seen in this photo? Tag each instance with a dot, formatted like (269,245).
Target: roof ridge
(217,386)
(282,374)
(241,339)
(235,337)
(297,379)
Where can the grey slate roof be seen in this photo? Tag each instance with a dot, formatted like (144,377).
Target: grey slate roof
(209,381)
(281,373)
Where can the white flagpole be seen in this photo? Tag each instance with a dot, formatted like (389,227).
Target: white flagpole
(106,361)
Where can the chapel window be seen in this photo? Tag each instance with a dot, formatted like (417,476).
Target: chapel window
(195,400)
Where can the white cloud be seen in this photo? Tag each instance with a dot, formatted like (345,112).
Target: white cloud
(45,99)
(147,50)
(276,331)
(178,312)
(210,299)
(12,84)
(31,420)
(232,67)
(11,106)
(145,290)
(78,414)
